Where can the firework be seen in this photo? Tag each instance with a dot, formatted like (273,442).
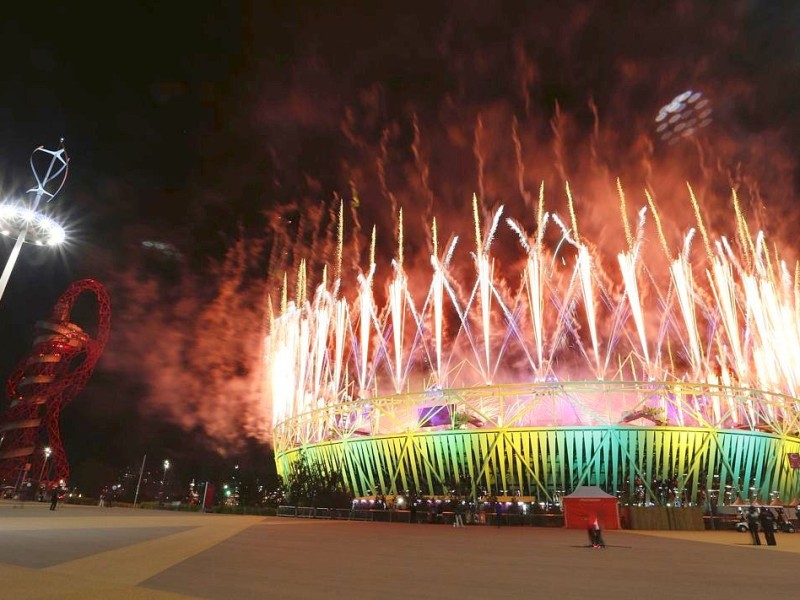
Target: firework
(708,339)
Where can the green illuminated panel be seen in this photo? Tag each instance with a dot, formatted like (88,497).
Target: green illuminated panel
(543,461)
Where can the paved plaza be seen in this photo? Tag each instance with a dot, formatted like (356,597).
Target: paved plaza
(89,552)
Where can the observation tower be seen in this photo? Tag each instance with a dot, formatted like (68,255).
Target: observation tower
(58,367)
(661,375)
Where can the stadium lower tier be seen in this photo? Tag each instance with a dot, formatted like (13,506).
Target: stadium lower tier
(639,464)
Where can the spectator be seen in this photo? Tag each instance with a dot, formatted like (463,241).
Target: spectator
(752,524)
(767,520)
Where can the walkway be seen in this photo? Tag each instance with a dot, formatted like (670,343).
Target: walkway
(88,552)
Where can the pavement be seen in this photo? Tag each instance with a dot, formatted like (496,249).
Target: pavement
(92,552)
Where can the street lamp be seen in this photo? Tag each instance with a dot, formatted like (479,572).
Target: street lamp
(163,478)
(47,453)
(25,222)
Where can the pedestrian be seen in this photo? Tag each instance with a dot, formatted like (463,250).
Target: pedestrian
(767,520)
(595,533)
(589,531)
(54,497)
(102,499)
(752,524)
(598,534)
(457,520)
(498,513)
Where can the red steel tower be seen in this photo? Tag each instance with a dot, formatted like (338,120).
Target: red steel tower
(56,370)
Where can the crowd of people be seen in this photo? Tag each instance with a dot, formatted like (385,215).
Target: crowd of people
(459,510)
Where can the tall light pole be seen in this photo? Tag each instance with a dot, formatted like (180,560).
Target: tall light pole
(164,477)
(24,222)
(139,483)
(47,453)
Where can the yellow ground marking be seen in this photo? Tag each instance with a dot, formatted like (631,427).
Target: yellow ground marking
(22,583)
(101,522)
(133,564)
(786,542)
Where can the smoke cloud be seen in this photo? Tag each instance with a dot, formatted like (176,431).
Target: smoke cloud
(419,111)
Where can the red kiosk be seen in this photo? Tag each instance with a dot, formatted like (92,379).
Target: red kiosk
(587,502)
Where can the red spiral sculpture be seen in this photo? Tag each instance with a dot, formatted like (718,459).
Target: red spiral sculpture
(44,381)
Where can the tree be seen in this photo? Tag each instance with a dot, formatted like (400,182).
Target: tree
(308,484)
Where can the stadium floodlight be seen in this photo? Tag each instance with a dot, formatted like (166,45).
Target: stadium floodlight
(25,222)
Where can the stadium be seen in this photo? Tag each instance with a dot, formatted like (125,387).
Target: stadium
(663,377)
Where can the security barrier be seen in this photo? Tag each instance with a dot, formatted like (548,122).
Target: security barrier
(421,516)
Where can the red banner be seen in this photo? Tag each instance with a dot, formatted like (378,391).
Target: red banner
(208,498)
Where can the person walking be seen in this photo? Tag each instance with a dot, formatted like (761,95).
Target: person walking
(767,520)
(752,524)
(458,521)
(54,497)
(589,531)
(498,512)
(595,533)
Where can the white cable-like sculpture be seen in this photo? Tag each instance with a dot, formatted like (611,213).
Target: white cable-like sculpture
(25,221)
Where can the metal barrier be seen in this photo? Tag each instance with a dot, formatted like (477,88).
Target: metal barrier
(304,512)
(421,516)
(286,511)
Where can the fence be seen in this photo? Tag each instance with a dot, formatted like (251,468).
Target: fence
(662,517)
(421,516)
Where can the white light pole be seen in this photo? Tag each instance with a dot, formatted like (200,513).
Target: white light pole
(47,453)
(164,478)
(25,223)
(139,483)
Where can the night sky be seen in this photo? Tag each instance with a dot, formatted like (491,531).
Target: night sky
(228,133)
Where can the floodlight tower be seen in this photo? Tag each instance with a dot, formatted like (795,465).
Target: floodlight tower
(24,222)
